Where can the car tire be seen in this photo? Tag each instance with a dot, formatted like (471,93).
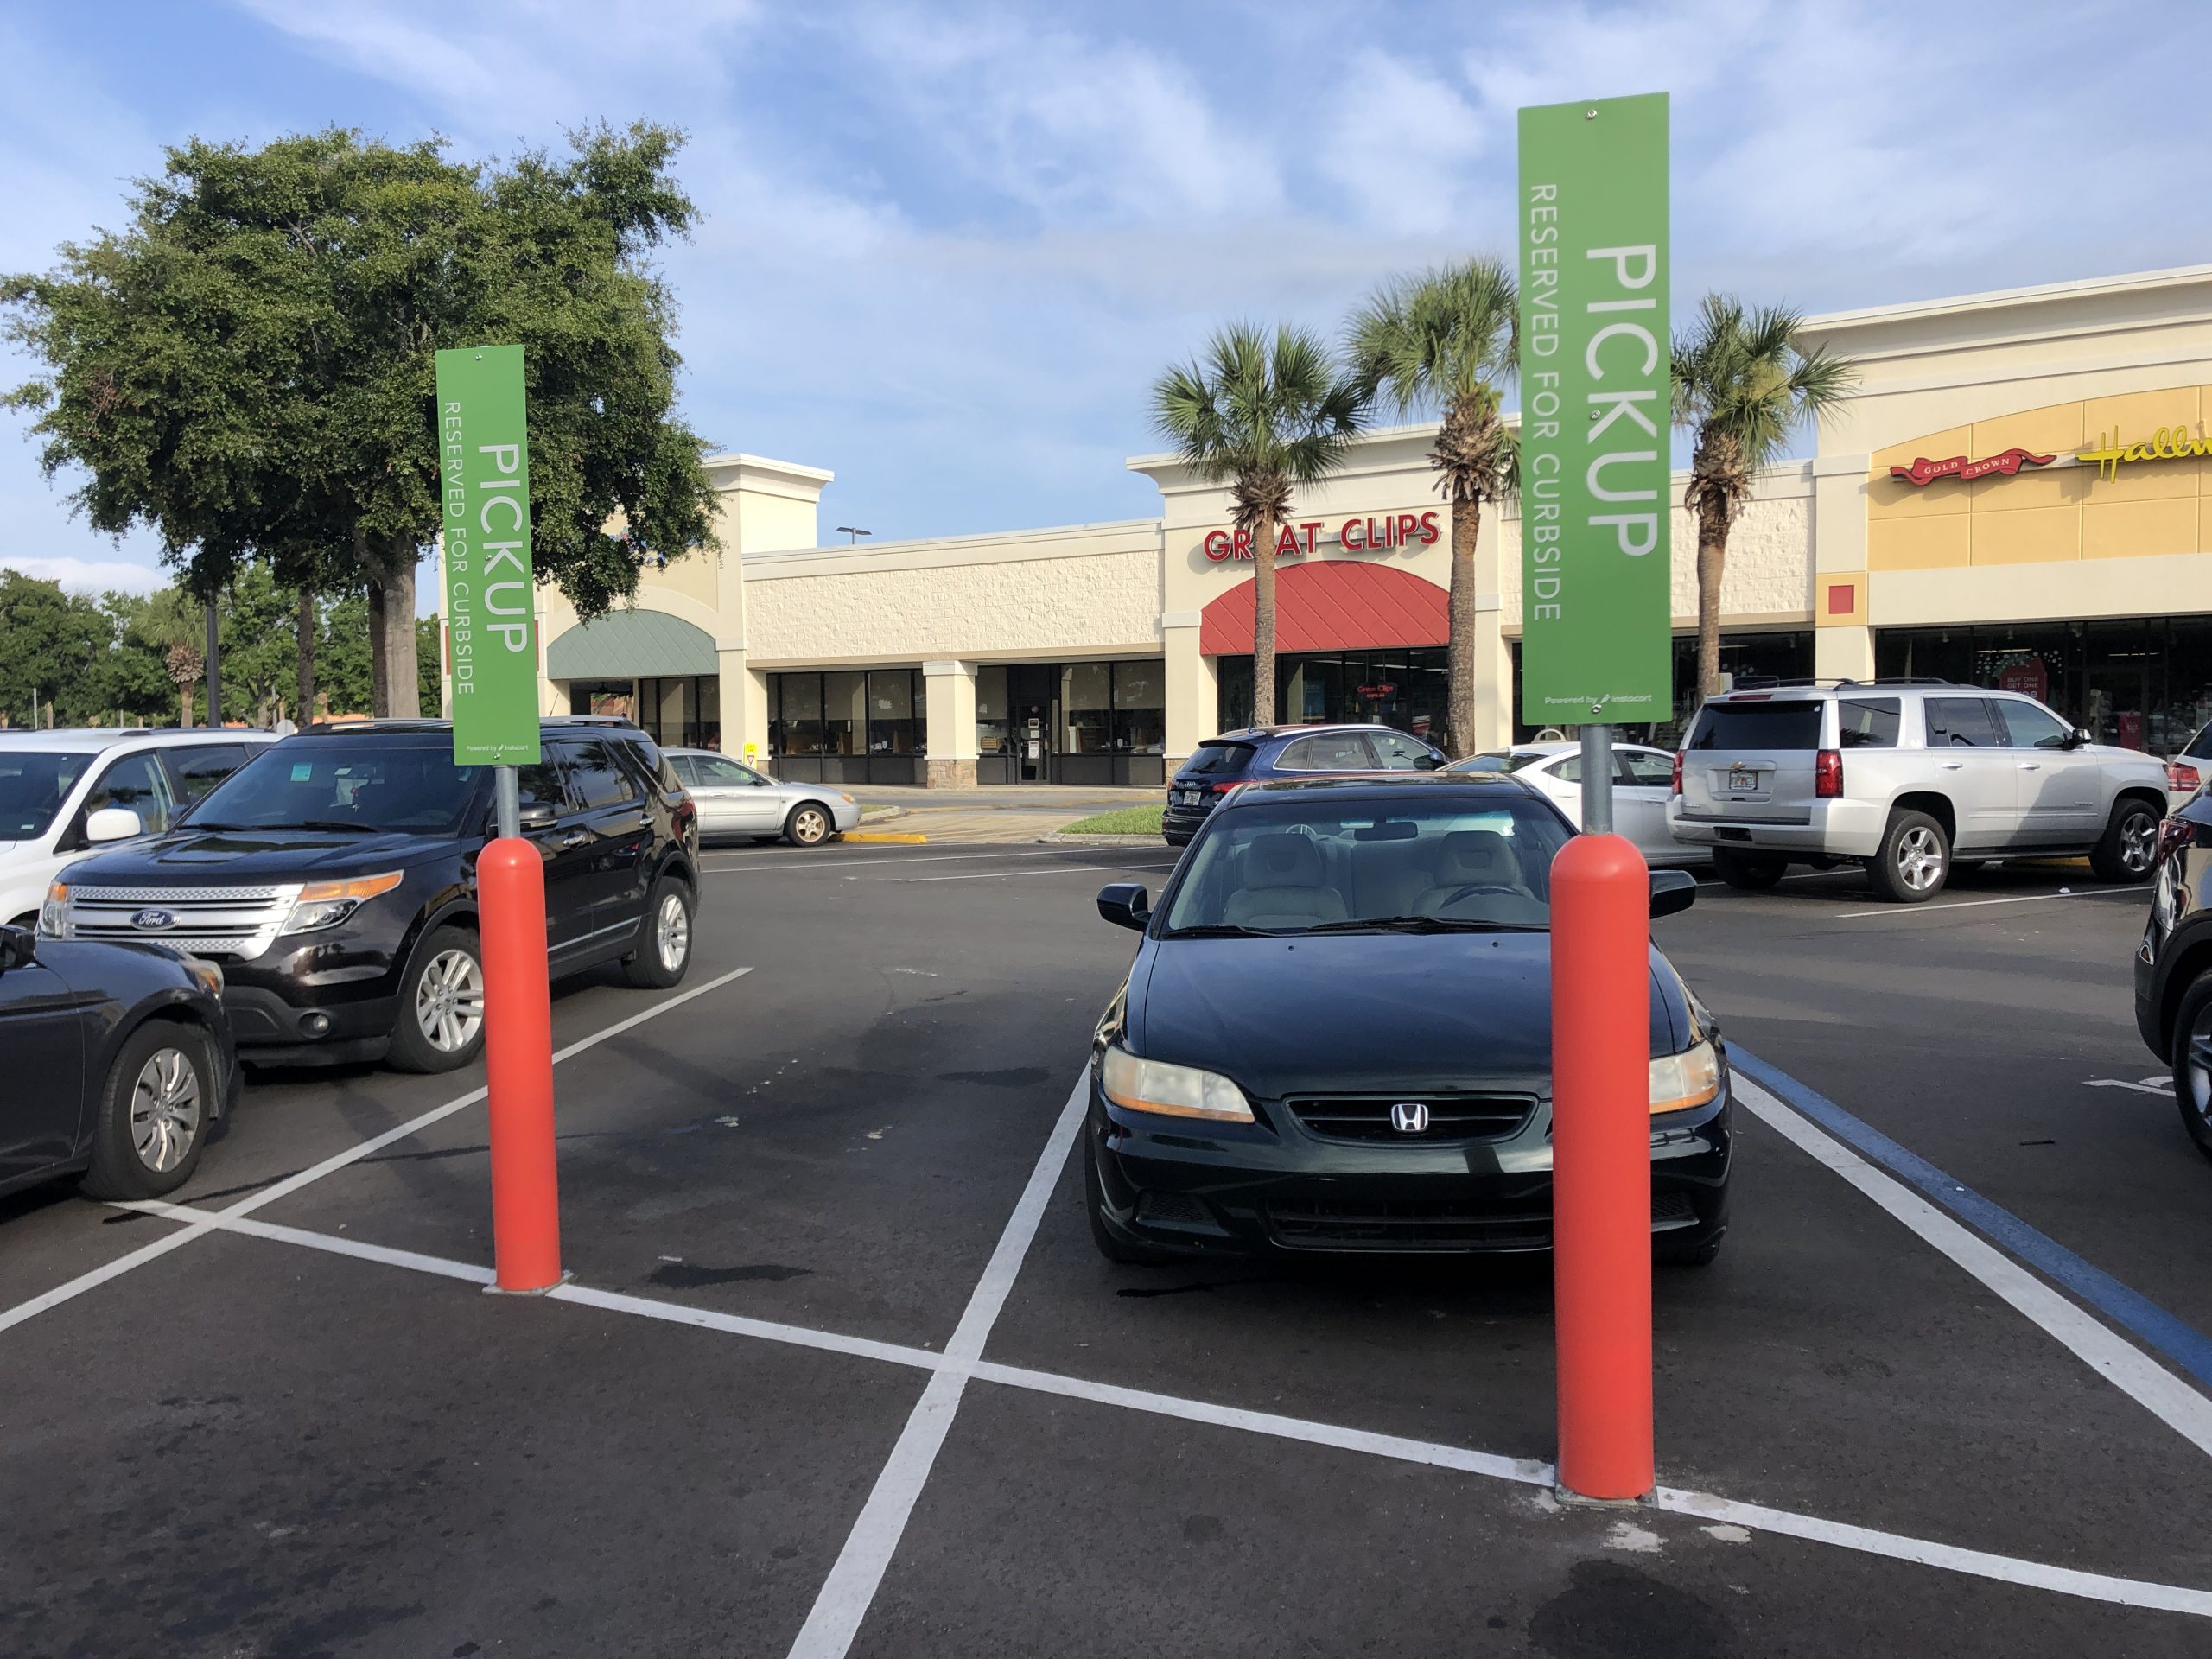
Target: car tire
(2129,845)
(154,1110)
(2192,1061)
(1915,861)
(1749,871)
(1112,1248)
(665,955)
(809,824)
(440,1025)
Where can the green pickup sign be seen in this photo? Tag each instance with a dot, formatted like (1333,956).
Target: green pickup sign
(1595,404)
(484,484)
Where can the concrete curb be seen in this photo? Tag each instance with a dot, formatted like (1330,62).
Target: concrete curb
(885,835)
(1061,838)
(883,814)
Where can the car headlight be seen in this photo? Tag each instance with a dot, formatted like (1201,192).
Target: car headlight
(847,800)
(209,974)
(325,904)
(54,914)
(1689,1078)
(1172,1090)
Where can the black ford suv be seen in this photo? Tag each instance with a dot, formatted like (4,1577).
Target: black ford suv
(2173,965)
(333,880)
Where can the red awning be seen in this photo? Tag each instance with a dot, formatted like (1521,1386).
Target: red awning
(1331,604)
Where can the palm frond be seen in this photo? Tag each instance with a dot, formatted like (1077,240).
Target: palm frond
(1265,408)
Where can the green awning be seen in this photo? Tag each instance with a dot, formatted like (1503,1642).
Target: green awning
(631,645)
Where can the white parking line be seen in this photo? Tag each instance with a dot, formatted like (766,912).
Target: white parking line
(951,1367)
(1003,875)
(2120,1362)
(845,1596)
(204,1222)
(894,855)
(1976,904)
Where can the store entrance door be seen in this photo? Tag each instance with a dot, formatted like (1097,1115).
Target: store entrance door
(1032,694)
(2119,694)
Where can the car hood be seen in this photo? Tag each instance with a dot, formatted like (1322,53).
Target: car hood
(215,857)
(1366,1013)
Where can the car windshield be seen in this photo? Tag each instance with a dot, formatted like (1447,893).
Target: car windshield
(33,785)
(2200,748)
(1496,760)
(341,783)
(1335,865)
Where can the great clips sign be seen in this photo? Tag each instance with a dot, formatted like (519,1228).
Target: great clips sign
(1374,534)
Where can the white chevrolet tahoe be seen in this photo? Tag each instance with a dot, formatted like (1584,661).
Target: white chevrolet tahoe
(1910,779)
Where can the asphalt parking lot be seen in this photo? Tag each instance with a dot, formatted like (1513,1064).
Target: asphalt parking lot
(840,1371)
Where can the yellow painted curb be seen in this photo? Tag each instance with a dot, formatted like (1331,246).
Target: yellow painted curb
(883,835)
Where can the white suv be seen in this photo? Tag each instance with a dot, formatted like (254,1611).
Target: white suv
(63,792)
(1900,776)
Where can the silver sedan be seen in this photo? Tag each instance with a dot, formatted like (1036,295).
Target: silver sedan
(1643,780)
(734,800)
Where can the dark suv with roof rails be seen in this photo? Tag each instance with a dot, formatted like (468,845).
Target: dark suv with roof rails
(1219,764)
(333,877)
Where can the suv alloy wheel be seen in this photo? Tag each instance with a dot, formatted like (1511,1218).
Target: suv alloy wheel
(1915,860)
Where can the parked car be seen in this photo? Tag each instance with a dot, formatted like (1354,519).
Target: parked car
(1644,782)
(1277,1072)
(333,877)
(2173,965)
(59,791)
(1220,764)
(1906,777)
(2187,771)
(118,1061)
(736,800)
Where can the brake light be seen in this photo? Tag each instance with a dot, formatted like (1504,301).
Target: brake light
(1827,775)
(1223,788)
(2174,835)
(1677,786)
(2181,775)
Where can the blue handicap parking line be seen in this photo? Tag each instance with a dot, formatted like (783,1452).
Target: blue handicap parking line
(2176,1340)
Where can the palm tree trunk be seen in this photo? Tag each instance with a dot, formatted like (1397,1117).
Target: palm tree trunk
(1263,622)
(1459,660)
(1712,560)
(304,714)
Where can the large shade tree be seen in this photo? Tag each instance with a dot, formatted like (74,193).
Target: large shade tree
(248,366)
(1744,383)
(1262,412)
(1445,342)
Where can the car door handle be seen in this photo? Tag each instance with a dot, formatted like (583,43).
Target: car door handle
(2031,766)
(574,838)
(1952,766)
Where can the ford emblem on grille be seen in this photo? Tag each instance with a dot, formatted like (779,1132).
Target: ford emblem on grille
(1409,1117)
(152,921)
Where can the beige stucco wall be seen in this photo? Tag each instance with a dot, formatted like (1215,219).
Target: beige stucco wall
(1089,590)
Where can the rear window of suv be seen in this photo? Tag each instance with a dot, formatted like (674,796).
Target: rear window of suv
(1867,722)
(1762,725)
(1219,757)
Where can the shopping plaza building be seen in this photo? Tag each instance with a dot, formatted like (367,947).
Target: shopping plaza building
(2017,494)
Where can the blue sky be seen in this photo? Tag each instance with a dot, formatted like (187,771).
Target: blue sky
(947,247)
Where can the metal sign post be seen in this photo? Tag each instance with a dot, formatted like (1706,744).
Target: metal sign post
(483,483)
(1595,416)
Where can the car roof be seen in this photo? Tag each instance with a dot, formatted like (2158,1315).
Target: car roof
(1260,733)
(93,739)
(1379,785)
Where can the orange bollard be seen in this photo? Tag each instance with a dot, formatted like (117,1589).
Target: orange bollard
(518,1065)
(1601,1165)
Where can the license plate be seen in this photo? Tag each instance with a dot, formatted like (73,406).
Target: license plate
(1741,779)
(1186,797)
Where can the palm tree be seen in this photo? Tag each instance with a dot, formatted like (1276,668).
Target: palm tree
(1444,341)
(1743,382)
(1264,413)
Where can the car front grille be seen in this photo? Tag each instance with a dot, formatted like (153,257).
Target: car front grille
(1410,1224)
(221,924)
(1451,1117)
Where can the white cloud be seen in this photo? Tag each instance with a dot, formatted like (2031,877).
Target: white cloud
(1406,147)
(89,576)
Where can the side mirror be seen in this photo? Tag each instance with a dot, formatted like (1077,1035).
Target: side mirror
(113,823)
(537,815)
(2079,737)
(1431,762)
(18,948)
(1125,904)
(1672,892)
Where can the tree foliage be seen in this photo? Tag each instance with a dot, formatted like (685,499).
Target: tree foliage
(1743,382)
(248,367)
(1446,341)
(1263,413)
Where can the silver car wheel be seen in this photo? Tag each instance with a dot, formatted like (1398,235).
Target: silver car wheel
(2196,1063)
(2139,841)
(809,825)
(165,1109)
(672,932)
(1920,859)
(449,1002)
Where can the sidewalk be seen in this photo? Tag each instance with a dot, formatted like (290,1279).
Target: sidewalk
(1009,812)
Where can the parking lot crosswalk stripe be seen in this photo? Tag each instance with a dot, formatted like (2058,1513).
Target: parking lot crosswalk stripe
(1976,904)
(1065,869)
(2120,1362)
(361,1249)
(845,1596)
(99,1275)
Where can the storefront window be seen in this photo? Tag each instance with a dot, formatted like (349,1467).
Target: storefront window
(844,713)
(711,711)
(2142,683)
(991,729)
(896,721)
(1140,707)
(1087,696)
(798,728)
(1402,687)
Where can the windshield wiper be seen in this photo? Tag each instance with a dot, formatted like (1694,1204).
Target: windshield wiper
(1427,924)
(330,824)
(1221,930)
